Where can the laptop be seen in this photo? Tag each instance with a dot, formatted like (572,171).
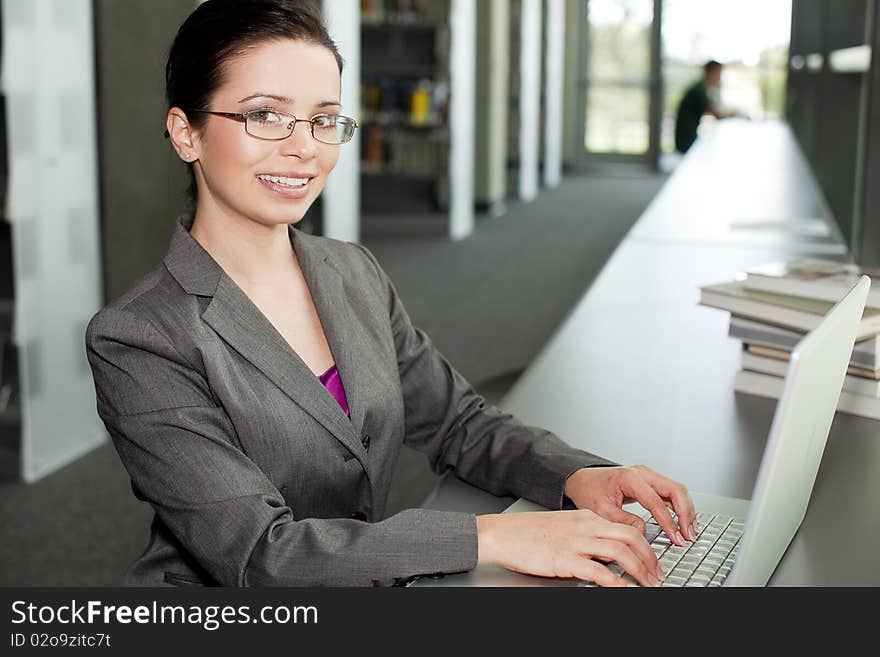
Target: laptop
(742,541)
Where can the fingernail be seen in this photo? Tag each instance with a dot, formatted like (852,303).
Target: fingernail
(679,538)
(660,573)
(653,579)
(633,585)
(696,528)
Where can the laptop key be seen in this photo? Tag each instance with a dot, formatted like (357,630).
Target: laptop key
(689,562)
(667,564)
(683,573)
(714,564)
(718,553)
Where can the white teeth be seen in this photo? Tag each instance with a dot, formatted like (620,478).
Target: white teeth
(282,180)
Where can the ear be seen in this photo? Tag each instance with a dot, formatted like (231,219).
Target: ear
(183,136)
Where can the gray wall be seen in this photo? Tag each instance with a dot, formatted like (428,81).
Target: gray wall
(825,107)
(868,229)
(142,180)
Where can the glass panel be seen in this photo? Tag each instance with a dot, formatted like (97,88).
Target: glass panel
(617,119)
(619,63)
(620,39)
(53,208)
(750,37)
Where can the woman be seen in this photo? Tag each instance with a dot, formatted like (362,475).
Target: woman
(259,382)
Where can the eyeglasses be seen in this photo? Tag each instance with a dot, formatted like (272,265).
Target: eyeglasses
(274,125)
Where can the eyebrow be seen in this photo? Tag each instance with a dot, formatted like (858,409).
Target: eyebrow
(285,99)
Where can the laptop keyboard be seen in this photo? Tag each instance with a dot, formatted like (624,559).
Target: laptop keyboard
(704,562)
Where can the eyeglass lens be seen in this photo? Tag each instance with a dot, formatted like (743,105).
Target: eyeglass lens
(329,129)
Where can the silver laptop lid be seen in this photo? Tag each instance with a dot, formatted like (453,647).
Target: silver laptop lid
(800,428)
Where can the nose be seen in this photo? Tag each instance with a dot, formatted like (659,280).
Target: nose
(300,143)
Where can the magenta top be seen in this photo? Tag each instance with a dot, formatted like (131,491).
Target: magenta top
(330,380)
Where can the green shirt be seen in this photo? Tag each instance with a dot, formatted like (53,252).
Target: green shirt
(693,105)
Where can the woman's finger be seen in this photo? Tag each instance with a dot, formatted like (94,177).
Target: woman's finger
(592,571)
(626,558)
(678,495)
(614,513)
(645,495)
(634,540)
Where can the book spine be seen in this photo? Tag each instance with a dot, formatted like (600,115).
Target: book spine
(748,330)
(766,385)
(851,383)
(861,386)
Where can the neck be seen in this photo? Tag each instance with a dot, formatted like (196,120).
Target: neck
(250,252)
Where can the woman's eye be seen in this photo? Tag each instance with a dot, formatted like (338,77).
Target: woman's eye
(324,121)
(265,116)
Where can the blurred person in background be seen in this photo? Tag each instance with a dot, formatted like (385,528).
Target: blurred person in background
(702,97)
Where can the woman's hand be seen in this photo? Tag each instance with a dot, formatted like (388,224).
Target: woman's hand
(606,490)
(566,544)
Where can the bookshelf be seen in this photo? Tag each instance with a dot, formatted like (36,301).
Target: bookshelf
(405,85)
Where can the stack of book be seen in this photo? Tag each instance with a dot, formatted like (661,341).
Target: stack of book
(772,307)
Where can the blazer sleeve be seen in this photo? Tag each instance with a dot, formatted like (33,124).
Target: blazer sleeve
(182,453)
(452,424)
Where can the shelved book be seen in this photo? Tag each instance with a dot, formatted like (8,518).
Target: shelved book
(770,385)
(865,355)
(823,280)
(797,313)
(755,361)
(785,355)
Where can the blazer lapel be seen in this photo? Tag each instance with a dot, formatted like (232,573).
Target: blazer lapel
(332,302)
(240,323)
(243,326)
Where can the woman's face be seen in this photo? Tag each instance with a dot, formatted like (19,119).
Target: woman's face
(232,167)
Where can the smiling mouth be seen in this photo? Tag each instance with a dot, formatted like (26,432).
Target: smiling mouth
(284,181)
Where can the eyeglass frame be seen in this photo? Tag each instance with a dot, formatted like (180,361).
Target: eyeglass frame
(243,118)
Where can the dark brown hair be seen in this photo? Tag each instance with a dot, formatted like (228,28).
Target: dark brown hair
(216,32)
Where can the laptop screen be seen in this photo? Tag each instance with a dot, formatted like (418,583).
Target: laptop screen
(798,434)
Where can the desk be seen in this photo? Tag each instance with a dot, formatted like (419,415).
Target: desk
(648,373)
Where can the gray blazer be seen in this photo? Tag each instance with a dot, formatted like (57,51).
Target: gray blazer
(256,475)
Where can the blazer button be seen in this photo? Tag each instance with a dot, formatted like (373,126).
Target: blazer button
(358,515)
(365,441)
